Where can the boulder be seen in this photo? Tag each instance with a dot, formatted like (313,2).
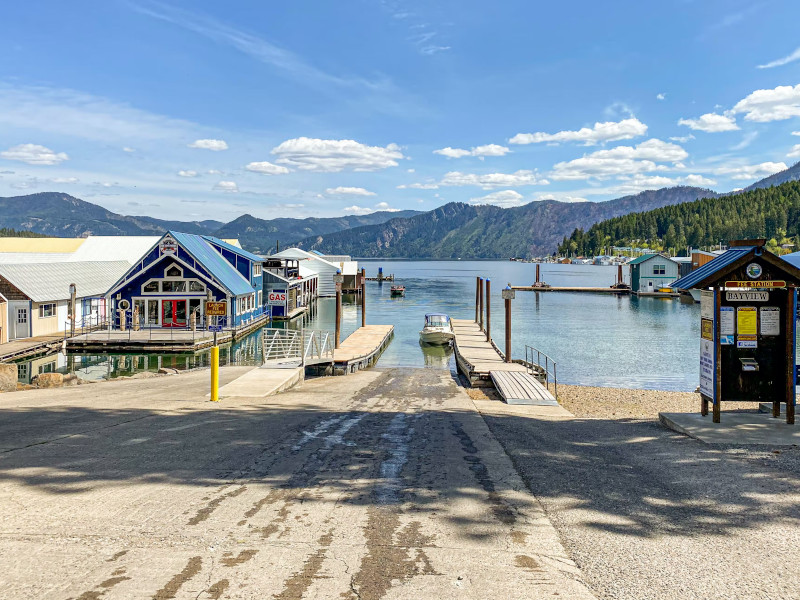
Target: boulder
(8,377)
(167,371)
(50,380)
(70,379)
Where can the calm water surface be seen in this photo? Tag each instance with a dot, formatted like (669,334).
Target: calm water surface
(595,339)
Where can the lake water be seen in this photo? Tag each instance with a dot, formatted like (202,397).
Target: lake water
(595,339)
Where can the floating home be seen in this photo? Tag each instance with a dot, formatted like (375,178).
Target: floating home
(37,295)
(289,292)
(166,287)
(650,272)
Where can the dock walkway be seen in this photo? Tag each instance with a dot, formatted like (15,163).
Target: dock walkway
(522,388)
(362,348)
(32,346)
(475,356)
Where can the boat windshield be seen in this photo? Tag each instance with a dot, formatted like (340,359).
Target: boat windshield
(437,320)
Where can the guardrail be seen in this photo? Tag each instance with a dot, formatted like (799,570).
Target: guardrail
(284,348)
(546,369)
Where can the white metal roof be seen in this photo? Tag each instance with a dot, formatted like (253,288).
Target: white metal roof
(349,267)
(298,253)
(43,282)
(129,248)
(33,257)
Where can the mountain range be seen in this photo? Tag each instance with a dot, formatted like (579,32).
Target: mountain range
(455,230)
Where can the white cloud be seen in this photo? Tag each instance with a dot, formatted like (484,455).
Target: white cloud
(65,180)
(349,191)
(711,123)
(600,132)
(411,170)
(492,180)
(214,172)
(331,156)
(778,104)
(267,168)
(504,198)
(782,61)
(418,186)
(75,114)
(128,149)
(187,173)
(226,186)
(682,139)
(620,161)
(479,151)
(384,206)
(751,171)
(747,139)
(560,198)
(33,154)
(794,152)
(699,180)
(357,210)
(661,96)
(215,145)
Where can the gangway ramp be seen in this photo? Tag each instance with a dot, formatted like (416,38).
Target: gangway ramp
(522,388)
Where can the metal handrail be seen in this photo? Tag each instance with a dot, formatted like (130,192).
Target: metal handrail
(280,346)
(545,369)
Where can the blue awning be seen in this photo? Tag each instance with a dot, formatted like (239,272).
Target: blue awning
(711,267)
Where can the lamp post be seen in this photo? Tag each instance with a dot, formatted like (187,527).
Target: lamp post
(508,296)
(338,279)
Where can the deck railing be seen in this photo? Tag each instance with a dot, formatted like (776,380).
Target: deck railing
(542,366)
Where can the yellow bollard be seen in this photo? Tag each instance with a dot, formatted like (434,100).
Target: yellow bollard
(215,373)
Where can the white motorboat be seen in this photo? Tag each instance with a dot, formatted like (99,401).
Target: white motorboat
(438,329)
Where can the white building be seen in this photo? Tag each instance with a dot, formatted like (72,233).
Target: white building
(314,263)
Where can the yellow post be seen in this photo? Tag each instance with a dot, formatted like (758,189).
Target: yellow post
(215,373)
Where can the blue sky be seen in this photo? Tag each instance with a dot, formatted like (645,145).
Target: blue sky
(209,110)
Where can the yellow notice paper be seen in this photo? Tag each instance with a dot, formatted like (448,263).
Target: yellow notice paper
(747,320)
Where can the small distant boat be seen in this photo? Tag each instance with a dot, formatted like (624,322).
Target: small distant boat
(398,290)
(438,330)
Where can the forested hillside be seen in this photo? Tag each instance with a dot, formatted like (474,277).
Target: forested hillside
(772,212)
(6,232)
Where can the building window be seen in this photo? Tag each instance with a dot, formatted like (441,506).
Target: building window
(151,287)
(47,310)
(256,270)
(196,286)
(47,368)
(260,298)
(174,271)
(659,269)
(22,316)
(173,286)
(152,311)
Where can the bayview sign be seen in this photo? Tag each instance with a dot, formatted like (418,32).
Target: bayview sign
(747,296)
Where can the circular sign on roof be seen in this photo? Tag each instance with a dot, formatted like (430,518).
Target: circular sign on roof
(753,270)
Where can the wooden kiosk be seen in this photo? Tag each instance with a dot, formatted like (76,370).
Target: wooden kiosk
(748,327)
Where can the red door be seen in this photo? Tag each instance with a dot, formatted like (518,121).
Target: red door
(173,313)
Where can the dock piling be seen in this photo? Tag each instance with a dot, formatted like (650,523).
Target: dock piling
(477,293)
(339,280)
(488,309)
(363,297)
(508,295)
(480,303)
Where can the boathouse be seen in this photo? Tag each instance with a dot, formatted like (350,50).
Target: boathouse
(288,293)
(38,295)
(650,272)
(310,263)
(167,286)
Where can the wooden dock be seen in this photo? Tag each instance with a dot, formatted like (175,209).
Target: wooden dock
(522,388)
(27,347)
(164,340)
(362,348)
(476,357)
(591,290)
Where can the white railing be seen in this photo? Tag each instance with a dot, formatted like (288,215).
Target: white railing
(543,369)
(288,348)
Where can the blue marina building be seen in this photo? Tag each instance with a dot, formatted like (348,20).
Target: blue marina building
(167,287)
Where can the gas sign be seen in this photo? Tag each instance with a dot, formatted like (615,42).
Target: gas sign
(276,298)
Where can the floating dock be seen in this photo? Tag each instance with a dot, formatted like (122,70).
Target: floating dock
(362,348)
(163,339)
(27,347)
(591,290)
(483,364)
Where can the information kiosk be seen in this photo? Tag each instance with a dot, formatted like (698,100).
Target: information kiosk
(748,319)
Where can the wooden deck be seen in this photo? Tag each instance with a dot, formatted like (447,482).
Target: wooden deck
(522,388)
(476,357)
(17,349)
(362,348)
